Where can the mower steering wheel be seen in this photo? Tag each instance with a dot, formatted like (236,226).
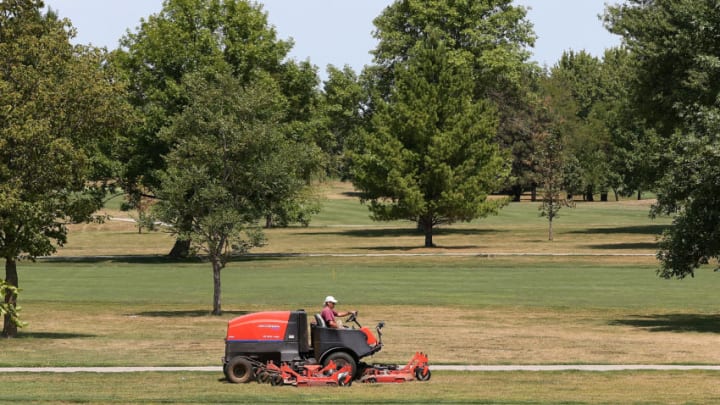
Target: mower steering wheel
(352,317)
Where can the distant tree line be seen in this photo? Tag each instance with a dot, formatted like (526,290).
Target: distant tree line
(204,123)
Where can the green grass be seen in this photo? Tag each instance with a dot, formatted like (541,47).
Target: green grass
(417,281)
(352,212)
(114,201)
(461,310)
(344,226)
(444,387)
(342,212)
(498,311)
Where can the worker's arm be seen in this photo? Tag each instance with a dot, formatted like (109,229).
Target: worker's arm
(346,313)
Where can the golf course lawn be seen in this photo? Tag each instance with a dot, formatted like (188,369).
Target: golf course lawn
(494,291)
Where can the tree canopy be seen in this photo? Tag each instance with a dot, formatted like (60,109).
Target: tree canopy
(187,36)
(60,111)
(494,36)
(674,91)
(343,97)
(211,37)
(431,156)
(231,161)
(577,88)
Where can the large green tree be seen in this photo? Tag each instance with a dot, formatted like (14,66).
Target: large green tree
(577,87)
(190,36)
(343,96)
(230,155)
(431,157)
(674,95)
(620,128)
(495,36)
(59,111)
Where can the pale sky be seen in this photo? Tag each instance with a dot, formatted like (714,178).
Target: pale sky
(339,32)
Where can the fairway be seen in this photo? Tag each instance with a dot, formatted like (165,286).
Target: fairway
(590,297)
(459,310)
(444,387)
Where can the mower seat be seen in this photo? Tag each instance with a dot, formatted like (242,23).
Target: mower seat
(319,321)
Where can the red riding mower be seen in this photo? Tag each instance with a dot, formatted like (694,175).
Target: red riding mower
(273,347)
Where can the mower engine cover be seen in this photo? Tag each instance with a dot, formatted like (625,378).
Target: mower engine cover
(278,336)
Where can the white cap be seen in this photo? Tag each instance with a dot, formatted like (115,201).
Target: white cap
(330,298)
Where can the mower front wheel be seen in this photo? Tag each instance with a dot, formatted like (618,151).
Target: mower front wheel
(423,373)
(239,370)
(341,359)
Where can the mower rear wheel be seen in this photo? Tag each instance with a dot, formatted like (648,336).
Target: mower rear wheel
(341,359)
(239,370)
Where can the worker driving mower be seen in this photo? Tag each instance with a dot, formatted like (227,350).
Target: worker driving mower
(274,347)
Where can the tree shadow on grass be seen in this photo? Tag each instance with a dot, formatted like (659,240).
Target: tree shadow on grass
(354,194)
(261,257)
(635,230)
(369,233)
(626,246)
(466,231)
(402,232)
(673,323)
(53,335)
(187,314)
(161,259)
(127,259)
(415,248)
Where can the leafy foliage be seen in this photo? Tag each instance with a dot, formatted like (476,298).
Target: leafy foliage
(60,110)
(579,93)
(690,191)
(550,158)
(432,158)
(230,162)
(192,36)
(675,94)
(11,311)
(493,36)
(343,97)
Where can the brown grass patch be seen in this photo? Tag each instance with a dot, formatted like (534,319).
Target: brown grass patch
(73,334)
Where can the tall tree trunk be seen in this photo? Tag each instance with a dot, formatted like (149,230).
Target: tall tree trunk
(11,277)
(516,193)
(604,196)
(550,230)
(590,194)
(428,230)
(639,195)
(533,192)
(428,238)
(217,291)
(180,250)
